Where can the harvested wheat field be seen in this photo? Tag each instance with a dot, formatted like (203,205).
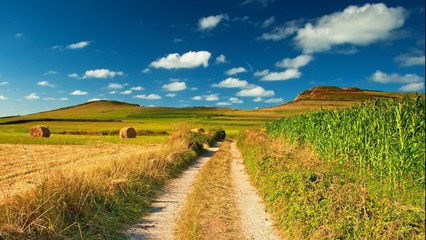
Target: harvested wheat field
(24,166)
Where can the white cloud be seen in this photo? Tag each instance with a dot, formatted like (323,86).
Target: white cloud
(73,75)
(63,99)
(281,32)
(4,83)
(112,92)
(19,35)
(138,88)
(59,47)
(126,92)
(280,76)
(96,99)
(223,104)
(264,3)
(146,70)
(2,97)
(188,60)
(177,40)
(268,22)
(212,97)
(221,59)
(115,86)
(255,91)
(101,73)
(235,100)
(409,60)
(193,89)
(354,25)
(236,70)
(175,86)
(208,23)
(261,73)
(148,97)
(274,100)
(258,99)
(413,87)
(45,84)
(242,19)
(385,78)
(32,96)
(171,95)
(51,72)
(78,93)
(78,45)
(231,83)
(295,63)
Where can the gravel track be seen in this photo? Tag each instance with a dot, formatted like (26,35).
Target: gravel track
(256,223)
(160,222)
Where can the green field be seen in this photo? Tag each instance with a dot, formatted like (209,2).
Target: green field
(92,119)
(84,124)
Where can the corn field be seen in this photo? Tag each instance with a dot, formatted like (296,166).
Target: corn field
(382,137)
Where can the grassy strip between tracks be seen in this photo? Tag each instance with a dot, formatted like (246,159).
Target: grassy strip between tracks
(209,211)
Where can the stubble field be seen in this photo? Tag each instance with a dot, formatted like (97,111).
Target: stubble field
(23,166)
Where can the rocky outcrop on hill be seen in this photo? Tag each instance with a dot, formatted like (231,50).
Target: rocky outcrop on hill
(324,92)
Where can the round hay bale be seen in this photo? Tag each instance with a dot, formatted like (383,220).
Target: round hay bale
(39,131)
(127,132)
(198,130)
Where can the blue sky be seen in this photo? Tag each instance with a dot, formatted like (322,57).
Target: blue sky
(224,53)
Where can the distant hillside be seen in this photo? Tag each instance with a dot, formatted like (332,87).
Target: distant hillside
(330,96)
(315,98)
(112,111)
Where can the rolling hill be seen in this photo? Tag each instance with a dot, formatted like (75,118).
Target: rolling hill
(308,100)
(334,97)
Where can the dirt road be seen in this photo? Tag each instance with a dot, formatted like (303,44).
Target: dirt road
(160,222)
(256,222)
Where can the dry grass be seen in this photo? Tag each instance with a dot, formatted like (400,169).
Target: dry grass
(93,201)
(210,211)
(24,166)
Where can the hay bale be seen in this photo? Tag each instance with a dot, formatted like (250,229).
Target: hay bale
(39,131)
(127,132)
(198,130)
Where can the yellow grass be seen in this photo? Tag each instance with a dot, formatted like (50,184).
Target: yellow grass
(210,211)
(23,166)
(89,198)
